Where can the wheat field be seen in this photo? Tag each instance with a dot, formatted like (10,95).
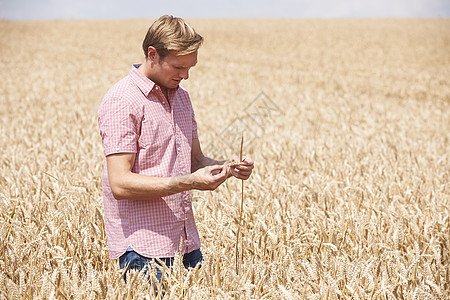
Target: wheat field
(350,194)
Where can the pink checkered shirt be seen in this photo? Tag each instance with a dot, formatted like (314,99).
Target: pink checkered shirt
(134,117)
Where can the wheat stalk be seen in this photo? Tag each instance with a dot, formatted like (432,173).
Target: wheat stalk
(240,212)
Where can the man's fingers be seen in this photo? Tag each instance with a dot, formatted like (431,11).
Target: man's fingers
(219,172)
(240,169)
(247,161)
(243,169)
(214,170)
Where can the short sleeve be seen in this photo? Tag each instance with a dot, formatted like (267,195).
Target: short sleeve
(119,125)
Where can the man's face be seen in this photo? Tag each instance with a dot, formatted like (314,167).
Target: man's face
(174,68)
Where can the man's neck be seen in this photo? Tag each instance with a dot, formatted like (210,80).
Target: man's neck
(143,68)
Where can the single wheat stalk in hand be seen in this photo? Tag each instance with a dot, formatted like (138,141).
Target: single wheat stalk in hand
(240,213)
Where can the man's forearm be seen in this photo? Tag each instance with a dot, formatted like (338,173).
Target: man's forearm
(142,187)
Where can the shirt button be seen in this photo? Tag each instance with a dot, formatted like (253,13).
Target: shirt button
(156,88)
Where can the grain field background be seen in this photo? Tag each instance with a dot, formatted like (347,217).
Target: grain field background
(350,194)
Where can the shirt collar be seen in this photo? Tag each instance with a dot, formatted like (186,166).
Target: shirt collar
(142,81)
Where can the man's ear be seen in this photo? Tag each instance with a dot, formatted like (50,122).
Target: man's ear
(152,54)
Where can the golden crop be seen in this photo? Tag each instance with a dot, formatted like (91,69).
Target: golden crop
(350,194)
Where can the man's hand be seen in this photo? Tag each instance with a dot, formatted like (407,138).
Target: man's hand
(210,177)
(241,169)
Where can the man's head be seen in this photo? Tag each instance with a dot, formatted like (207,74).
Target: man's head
(171,34)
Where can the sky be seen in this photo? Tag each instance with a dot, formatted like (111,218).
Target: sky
(131,9)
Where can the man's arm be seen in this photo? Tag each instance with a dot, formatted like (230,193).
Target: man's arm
(128,185)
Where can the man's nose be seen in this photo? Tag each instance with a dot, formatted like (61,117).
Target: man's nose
(184,74)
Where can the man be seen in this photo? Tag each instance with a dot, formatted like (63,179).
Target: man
(153,155)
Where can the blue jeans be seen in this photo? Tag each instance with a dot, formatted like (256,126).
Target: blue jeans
(132,260)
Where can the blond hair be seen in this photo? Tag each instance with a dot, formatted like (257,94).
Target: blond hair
(170,33)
